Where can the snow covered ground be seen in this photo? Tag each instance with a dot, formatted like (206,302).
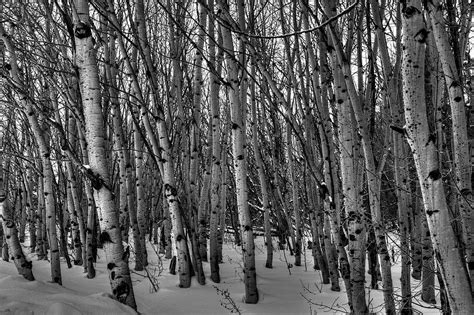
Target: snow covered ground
(300,292)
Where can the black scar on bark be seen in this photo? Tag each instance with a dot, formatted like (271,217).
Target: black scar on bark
(121,292)
(104,237)
(421,36)
(126,254)
(82,30)
(323,191)
(111,266)
(409,11)
(434,174)
(431,212)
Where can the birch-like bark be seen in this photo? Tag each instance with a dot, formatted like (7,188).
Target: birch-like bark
(91,210)
(401,178)
(32,213)
(216,207)
(138,220)
(240,163)
(354,213)
(41,250)
(428,270)
(371,173)
(75,233)
(451,265)
(45,153)
(296,206)
(111,238)
(24,267)
(223,197)
(319,256)
(195,154)
(462,163)
(261,176)
(123,155)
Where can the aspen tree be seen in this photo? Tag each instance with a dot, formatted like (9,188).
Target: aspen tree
(223,195)
(216,172)
(399,151)
(451,265)
(32,211)
(354,213)
(371,173)
(45,152)
(139,217)
(24,267)
(240,161)
(261,175)
(428,270)
(195,154)
(462,163)
(117,265)
(161,146)
(123,155)
(41,245)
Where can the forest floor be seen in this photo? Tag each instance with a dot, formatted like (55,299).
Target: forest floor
(282,290)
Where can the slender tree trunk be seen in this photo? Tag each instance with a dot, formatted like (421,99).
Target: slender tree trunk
(41,250)
(216,173)
(416,244)
(318,246)
(428,271)
(261,176)
(401,178)
(354,213)
(74,221)
(140,250)
(223,198)
(111,238)
(240,163)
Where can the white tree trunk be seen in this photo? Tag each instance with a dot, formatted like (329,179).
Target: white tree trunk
(462,163)
(44,149)
(117,265)
(240,164)
(451,265)
(10,231)
(354,213)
